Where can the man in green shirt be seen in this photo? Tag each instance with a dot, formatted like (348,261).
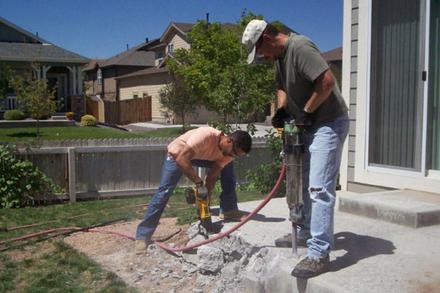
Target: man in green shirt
(308,93)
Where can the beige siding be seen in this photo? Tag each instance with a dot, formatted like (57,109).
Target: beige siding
(178,43)
(149,84)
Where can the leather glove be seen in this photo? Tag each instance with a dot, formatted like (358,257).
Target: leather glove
(280,117)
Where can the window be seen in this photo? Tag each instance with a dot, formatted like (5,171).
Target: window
(434,86)
(158,54)
(170,48)
(396,89)
(135,95)
(99,76)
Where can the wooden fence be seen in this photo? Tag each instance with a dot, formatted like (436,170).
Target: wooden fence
(128,111)
(107,168)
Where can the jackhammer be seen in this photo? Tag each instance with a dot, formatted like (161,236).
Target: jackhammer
(199,197)
(293,155)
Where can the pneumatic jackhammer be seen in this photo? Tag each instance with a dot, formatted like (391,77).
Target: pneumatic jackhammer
(293,156)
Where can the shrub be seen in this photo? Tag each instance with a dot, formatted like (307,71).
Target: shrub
(88,120)
(14,115)
(21,183)
(69,115)
(263,177)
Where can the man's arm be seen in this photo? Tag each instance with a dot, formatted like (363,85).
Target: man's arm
(211,177)
(183,160)
(281,98)
(323,87)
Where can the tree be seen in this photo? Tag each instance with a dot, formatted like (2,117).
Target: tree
(215,69)
(35,96)
(179,98)
(4,82)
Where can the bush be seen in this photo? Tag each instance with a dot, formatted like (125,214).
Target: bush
(21,183)
(88,120)
(69,115)
(264,177)
(14,115)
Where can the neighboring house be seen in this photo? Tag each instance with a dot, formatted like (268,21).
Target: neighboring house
(149,82)
(23,52)
(391,80)
(334,59)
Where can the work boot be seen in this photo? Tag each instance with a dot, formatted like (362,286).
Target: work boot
(311,267)
(140,246)
(286,241)
(233,215)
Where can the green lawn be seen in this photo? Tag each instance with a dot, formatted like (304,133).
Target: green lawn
(75,132)
(52,266)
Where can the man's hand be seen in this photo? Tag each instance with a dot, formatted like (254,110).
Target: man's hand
(280,117)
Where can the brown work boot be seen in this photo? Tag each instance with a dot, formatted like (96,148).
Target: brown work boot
(233,215)
(311,267)
(140,246)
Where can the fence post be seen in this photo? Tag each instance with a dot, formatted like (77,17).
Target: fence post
(72,174)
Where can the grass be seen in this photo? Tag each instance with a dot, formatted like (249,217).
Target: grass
(52,266)
(55,267)
(75,132)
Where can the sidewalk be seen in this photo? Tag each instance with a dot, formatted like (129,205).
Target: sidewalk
(369,256)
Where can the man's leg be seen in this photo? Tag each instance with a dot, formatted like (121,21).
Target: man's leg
(325,159)
(228,196)
(169,179)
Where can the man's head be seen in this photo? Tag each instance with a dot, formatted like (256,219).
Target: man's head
(236,144)
(263,39)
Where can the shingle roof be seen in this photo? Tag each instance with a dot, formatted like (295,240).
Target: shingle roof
(146,71)
(333,55)
(38,53)
(35,49)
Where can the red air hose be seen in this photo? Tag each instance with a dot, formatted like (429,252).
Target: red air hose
(232,229)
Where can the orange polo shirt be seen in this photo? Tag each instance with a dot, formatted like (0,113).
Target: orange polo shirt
(205,143)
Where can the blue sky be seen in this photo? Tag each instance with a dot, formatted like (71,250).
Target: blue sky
(102,28)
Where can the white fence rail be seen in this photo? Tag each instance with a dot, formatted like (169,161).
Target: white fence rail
(116,169)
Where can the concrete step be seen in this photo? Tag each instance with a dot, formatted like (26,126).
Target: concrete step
(58,117)
(405,207)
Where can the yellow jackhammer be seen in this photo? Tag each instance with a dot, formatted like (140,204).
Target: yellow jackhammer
(199,196)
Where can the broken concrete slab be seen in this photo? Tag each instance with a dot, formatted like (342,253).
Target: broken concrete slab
(369,255)
(405,207)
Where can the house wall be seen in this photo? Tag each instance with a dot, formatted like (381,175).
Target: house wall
(356,175)
(148,84)
(8,34)
(178,43)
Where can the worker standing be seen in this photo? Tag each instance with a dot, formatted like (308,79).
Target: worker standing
(307,92)
(202,147)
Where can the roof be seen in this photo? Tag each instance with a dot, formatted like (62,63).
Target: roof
(23,31)
(38,53)
(144,72)
(182,27)
(34,49)
(136,56)
(333,55)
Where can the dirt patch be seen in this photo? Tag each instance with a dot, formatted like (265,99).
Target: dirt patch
(153,271)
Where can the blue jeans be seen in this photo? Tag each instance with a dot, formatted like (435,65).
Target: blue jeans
(170,176)
(322,160)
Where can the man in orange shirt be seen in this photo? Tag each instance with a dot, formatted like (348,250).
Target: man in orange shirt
(202,147)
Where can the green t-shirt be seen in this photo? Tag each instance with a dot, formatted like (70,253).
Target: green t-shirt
(296,70)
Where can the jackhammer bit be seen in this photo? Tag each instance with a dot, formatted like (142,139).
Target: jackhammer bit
(293,153)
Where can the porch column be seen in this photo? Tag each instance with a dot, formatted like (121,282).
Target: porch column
(37,70)
(45,70)
(73,70)
(80,81)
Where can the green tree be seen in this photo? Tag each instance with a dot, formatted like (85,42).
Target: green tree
(35,96)
(179,98)
(4,83)
(215,69)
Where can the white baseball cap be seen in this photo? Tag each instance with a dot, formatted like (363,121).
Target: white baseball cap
(251,34)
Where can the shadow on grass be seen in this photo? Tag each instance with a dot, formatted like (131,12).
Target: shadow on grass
(25,134)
